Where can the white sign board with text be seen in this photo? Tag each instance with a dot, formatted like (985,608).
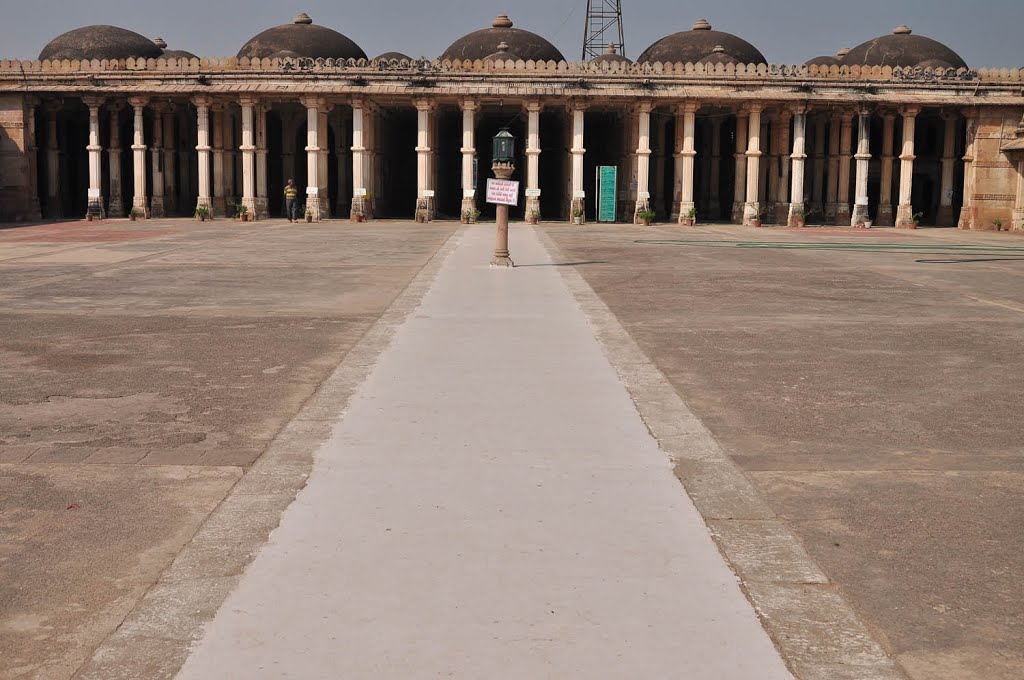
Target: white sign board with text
(502,191)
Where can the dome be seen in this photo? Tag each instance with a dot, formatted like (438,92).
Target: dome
(178,54)
(698,44)
(100,42)
(903,48)
(503,54)
(719,56)
(303,38)
(611,56)
(481,44)
(389,56)
(829,61)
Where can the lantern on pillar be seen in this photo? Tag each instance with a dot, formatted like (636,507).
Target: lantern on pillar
(504,147)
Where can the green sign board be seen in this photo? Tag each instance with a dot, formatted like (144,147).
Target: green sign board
(607,176)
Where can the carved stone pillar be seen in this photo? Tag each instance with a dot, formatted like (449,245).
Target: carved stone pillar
(95,193)
(796,217)
(115,206)
(157,207)
(202,104)
(752,208)
(688,116)
(424,150)
(248,148)
(576,151)
(468,150)
(861,212)
(54,209)
(262,193)
(532,157)
(317,199)
(832,195)
(766,170)
(740,182)
(360,183)
(885,217)
(643,160)
(967,210)
(843,212)
(945,216)
(905,209)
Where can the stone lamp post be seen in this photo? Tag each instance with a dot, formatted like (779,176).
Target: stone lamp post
(504,145)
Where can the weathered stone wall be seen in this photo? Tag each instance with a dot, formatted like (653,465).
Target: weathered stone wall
(995,185)
(15,186)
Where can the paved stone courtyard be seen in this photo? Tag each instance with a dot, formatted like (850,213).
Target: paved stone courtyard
(865,381)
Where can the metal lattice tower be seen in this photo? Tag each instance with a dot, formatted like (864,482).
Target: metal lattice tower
(604,27)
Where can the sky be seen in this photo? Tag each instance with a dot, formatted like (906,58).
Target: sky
(983,32)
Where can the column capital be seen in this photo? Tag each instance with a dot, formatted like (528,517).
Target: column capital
(469,105)
(52,106)
(846,116)
(910,111)
(534,106)
(949,115)
(248,100)
(689,106)
(577,105)
(425,104)
(202,101)
(799,108)
(159,106)
(887,114)
(753,107)
(864,110)
(644,106)
(93,101)
(785,115)
(116,106)
(138,102)
(317,102)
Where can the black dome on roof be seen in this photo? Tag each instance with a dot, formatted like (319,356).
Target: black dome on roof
(100,42)
(303,38)
(829,61)
(393,55)
(178,54)
(483,43)
(903,48)
(699,43)
(611,56)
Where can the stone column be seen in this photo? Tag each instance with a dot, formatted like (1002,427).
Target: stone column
(360,206)
(945,217)
(323,157)
(782,197)
(660,205)
(230,195)
(577,151)
(95,195)
(860,208)
(643,160)
(170,161)
(631,125)
(533,108)
(248,147)
(157,207)
(262,193)
(885,217)
(818,182)
(115,206)
(740,185)
(468,149)
(752,208)
(832,195)
(773,167)
(424,180)
(202,104)
(843,212)
(715,207)
(905,209)
(796,216)
(32,156)
(220,204)
(53,185)
(764,192)
(313,198)
(967,209)
(688,114)
(677,178)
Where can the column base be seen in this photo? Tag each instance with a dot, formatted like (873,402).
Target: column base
(250,205)
(219,207)
(95,210)
(905,217)
(468,210)
(945,217)
(843,214)
(502,260)
(750,216)
(204,201)
(641,205)
(860,217)
(796,216)
(116,208)
(884,217)
(533,209)
(687,214)
(424,209)
(966,218)
(1017,222)
(262,208)
(316,206)
(737,213)
(157,208)
(361,209)
(140,205)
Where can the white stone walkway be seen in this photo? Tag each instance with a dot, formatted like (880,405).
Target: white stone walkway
(491,506)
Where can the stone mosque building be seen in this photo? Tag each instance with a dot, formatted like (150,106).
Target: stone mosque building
(895,131)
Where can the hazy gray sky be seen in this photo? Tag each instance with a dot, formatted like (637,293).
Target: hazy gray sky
(984,32)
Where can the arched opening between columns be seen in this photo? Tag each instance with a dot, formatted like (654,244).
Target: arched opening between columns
(395,165)
(490,120)
(604,137)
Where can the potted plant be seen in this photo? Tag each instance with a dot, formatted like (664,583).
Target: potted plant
(308,213)
(133,214)
(916,219)
(533,217)
(758,214)
(202,213)
(241,212)
(646,215)
(577,215)
(998,224)
(470,216)
(690,218)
